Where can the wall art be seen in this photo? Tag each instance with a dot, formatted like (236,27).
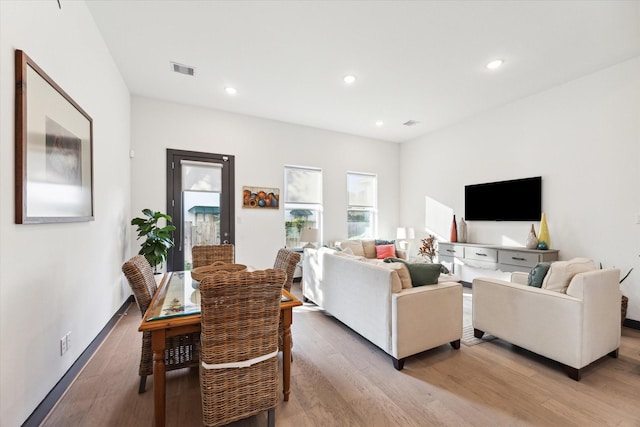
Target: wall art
(53,150)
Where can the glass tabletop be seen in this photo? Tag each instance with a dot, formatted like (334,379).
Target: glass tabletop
(180,296)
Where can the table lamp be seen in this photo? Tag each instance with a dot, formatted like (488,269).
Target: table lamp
(309,235)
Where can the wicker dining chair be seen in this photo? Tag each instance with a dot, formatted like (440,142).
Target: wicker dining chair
(286,260)
(181,351)
(239,349)
(210,254)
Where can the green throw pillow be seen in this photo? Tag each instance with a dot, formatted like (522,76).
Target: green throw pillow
(421,273)
(537,273)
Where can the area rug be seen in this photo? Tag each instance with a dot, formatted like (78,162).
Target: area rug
(468,339)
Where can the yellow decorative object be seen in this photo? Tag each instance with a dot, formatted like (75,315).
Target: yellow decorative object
(544,232)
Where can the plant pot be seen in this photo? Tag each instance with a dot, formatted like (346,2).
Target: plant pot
(623,308)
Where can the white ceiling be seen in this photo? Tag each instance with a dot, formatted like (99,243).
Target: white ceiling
(414,60)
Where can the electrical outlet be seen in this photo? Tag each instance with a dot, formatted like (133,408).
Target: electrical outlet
(68,337)
(63,345)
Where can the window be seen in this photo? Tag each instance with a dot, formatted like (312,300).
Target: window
(302,203)
(362,195)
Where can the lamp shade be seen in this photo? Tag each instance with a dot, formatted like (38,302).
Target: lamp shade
(309,235)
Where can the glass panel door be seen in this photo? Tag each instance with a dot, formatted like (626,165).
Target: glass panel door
(200,201)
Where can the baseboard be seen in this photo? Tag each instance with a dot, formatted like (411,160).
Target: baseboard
(630,323)
(39,414)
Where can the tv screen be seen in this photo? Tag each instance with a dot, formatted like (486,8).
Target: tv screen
(514,200)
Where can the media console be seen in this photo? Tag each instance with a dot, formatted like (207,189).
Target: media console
(494,257)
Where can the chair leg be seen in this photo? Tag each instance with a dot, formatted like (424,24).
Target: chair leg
(455,344)
(143,384)
(477,333)
(271,417)
(614,353)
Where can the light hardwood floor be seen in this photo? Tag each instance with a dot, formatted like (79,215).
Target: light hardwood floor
(340,379)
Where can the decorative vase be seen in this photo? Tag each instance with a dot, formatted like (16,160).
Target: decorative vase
(462,231)
(544,233)
(454,230)
(532,239)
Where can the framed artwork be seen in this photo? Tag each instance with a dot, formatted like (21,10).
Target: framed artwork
(260,198)
(53,149)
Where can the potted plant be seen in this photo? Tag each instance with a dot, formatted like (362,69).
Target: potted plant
(158,239)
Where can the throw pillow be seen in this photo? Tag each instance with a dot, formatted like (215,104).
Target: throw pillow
(403,273)
(369,248)
(354,245)
(385,251)
(385,242)
(561,272)
(538,273)
(421,274)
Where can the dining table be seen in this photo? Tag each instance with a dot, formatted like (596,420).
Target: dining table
(175,310)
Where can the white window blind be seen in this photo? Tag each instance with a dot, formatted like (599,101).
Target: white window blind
(303,185)
(199,176)
(361,189)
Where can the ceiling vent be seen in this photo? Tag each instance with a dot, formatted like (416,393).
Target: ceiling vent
(183,69)
(410,123)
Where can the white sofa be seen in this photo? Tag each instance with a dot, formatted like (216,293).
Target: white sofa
(369,297)
(575,327)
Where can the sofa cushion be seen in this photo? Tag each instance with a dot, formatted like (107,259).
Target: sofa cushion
(369,248)
(385,251)
(538,273)
(354,245)
(421,273)
(561,272)
(403,273)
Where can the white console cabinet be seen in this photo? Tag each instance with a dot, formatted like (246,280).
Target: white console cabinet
(493,257)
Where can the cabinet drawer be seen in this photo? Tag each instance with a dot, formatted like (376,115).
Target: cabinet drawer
(481,254)
(522,259)
(449,250)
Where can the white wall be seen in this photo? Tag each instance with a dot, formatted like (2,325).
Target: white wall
(261,148)
(582,137)
(56,278)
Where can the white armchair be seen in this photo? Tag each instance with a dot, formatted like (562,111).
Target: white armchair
(574,328)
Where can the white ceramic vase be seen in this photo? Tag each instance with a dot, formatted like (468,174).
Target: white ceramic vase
(532,239)
(462,231)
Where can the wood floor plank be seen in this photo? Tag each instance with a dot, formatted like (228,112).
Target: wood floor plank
(340,379)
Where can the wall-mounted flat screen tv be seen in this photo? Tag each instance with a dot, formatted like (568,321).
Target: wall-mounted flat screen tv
(513,200)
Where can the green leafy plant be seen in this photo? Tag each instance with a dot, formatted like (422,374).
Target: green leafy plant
(158,239)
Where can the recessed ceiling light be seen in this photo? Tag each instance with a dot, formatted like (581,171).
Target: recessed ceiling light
(230,90)
(495,64)
(379,123)
(349,79)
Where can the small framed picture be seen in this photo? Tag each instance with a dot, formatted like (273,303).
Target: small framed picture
(260,198)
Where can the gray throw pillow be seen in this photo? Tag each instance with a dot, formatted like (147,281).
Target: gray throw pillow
(421,273)
(537,273)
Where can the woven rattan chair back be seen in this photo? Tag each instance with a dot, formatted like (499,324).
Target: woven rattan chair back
(210,254)
(287,260)
(140,276)
(240,313)
(181,351)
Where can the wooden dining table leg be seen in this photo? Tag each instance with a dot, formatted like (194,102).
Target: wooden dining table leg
(286,351)
(158,343)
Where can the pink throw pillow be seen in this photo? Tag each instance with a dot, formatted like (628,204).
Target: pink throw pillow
(385,251)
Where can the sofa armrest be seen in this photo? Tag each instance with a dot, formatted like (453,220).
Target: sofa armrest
(402,254)
(425,317)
